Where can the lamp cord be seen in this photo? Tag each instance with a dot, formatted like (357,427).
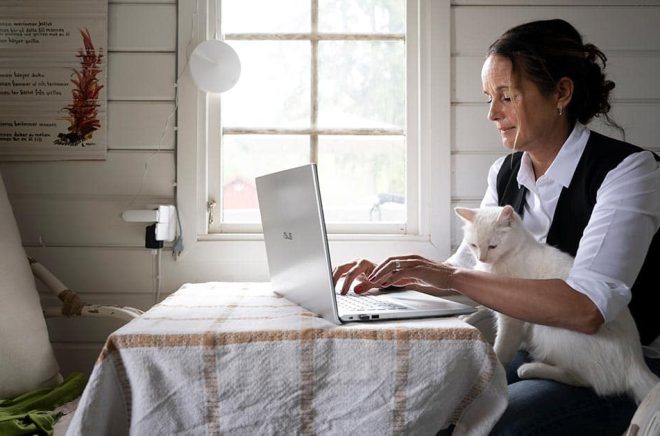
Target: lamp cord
(157,274)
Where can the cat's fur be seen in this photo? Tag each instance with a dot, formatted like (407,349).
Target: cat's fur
(610,361)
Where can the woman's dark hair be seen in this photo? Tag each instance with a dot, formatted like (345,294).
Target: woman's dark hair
(545,51)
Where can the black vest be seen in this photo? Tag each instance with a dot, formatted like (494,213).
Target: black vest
(573,212)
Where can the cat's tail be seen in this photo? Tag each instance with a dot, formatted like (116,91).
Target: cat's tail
(641,380)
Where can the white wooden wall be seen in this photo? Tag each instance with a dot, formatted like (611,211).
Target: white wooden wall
(69,212)
(629,36)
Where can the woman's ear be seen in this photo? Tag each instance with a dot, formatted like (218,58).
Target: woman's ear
(465,213)
(564,93)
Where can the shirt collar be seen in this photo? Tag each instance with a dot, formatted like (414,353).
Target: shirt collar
(563,166)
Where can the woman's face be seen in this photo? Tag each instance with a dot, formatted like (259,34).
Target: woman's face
(521,111)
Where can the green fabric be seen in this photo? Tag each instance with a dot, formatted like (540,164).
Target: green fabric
(32,413)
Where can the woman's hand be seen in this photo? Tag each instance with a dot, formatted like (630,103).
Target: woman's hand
(413,272)
(352,271)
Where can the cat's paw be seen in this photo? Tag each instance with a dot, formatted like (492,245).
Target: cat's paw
(533,370)
(549,372)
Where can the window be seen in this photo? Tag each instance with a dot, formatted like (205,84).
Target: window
(322,81)
(361,87)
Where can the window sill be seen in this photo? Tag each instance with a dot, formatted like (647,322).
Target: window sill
(331,237)
(343,248)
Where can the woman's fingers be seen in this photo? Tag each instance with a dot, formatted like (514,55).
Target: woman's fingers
(412,271)
(339,271)
(352,272)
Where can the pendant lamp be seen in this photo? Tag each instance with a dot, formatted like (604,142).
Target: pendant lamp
(215,66)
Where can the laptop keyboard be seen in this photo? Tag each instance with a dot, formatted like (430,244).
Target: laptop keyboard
(367,303)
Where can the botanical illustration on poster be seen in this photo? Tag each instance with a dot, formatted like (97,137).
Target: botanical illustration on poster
(53,67)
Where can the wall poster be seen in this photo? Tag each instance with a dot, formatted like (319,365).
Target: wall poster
(53,90)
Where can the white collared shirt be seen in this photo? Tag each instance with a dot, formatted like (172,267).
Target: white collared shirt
(623,222)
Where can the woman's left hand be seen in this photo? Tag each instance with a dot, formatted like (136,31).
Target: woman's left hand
(413,272)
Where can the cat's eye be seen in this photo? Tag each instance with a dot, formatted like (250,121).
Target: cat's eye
(473,245)
(491,247)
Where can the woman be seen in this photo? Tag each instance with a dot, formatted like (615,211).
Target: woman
(594,197)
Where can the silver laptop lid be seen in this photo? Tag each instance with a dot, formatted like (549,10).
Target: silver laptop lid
(297,246)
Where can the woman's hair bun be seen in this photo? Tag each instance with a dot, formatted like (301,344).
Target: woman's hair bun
(597,89)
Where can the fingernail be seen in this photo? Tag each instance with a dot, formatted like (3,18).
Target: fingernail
(384,285)
(357,289)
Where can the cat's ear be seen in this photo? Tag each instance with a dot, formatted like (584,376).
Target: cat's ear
(506,216)
(465,213)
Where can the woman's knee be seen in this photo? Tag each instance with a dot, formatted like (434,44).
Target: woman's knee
(546,407)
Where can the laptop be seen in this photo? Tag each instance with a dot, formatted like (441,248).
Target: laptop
(299,257)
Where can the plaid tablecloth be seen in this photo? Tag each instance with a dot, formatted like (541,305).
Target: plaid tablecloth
(235,358)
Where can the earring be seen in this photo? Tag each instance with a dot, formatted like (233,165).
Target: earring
(560,109)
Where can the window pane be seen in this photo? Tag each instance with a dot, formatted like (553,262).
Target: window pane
(266,16)
(363,178)
(274,88)
(245,157)
(361,84)
(362,16)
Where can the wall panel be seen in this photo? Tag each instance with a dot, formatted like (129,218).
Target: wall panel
(141,1)
(121,174)
(142,27)
(141,125)
(78,357)
(603,26)
(469,174)
(99,270)
(141,76)
(79,220)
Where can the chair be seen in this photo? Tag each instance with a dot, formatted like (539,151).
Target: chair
(27,361)
(646,420)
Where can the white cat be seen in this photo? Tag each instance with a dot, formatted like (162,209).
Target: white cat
(610,361)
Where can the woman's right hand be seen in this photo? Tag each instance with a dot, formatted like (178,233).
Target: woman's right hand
(356,270)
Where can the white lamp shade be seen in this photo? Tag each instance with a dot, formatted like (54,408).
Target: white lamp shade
(214,66)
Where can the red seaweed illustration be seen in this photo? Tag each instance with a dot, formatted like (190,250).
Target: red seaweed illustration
(83,110)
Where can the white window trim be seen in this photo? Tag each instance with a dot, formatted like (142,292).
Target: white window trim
(432,238)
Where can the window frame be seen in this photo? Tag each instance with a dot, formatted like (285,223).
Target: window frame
(315,37)
(428,138)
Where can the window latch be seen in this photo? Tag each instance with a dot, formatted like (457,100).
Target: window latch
(210,208)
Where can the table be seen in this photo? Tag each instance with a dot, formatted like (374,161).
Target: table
(235,358)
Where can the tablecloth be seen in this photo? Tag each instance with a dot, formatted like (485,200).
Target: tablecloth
(236,358)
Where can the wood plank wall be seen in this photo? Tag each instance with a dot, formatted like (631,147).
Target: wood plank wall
(629,36)
(69,212)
